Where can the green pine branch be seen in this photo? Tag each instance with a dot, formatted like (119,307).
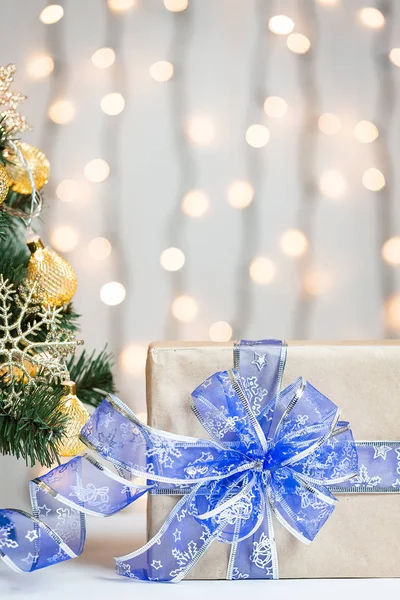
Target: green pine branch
(32,429)
(92,375)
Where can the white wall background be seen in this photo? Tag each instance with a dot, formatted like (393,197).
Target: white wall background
(226,62)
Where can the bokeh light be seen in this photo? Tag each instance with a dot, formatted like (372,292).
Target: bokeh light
(280,24)
(68,190)
(317,282)
(329,124)
(121,5)
(275,107)
(240,194)
(201,130)
(62,111)
(373,179)
(99,248)
(328,2)
(185,309)
(172,259)
(371,17)
(112,293)
(365,132)
(392,312)
(391,250)
(332,184)
(257,135)
(112,104)
(161,71)
(97,170)
(262,270)
(176,5)
(103,58)
(298,43)
(64,238)
(220,331)
(294,242)
(51,14)
(132,360)
(195,204)
(394,56)
(40,66)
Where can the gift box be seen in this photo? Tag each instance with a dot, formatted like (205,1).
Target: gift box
(360,539)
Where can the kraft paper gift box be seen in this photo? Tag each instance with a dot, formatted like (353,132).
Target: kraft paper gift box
(361,538)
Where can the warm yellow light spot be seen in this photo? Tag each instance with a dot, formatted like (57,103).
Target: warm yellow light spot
(161,70)
(112,293)
(100,248)
(195,204)
(392,312)
(103,58)
(280,24)
(257,135)
(112,104)
(332,184)
(373,179)
(172,259)
(132,360)
(371,17)
(294,242)
(262,270)
(201,130)
(275,107)
(328,2)
(394,56)
(97,170)
(185,309)
(40,66)
(329,124)
(317,282)
(220,331)
(62,112)
(68,190)
(366,132)
(240,194)
(121,5)
(64,238)
(391,251)
(51,14)
(298,43)
(176,5)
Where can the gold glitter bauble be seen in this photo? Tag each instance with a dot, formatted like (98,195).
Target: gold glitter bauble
(4,184)
(38,164)
(55,277)
(77,414)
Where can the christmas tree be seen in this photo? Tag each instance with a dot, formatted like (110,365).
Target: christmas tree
(43,382)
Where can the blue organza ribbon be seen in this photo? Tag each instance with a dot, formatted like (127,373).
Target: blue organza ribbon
(271,452)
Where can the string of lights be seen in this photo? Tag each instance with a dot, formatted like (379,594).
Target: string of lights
(248,195)
(112,104)
(308,200)
(189,202)
(388,246)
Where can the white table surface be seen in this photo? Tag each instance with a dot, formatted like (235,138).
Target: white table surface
(92,576)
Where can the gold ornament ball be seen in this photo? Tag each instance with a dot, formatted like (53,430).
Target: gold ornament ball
(77,415)
(4,184)
(56,279)
(38,164)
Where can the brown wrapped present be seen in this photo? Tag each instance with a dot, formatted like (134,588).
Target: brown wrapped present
(361,539)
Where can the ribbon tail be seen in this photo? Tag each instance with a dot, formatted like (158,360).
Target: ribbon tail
(175,548)
(256,556)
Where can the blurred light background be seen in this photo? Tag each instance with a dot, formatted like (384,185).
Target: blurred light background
(220,168)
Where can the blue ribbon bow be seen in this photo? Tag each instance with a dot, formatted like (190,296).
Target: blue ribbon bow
(271,453)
